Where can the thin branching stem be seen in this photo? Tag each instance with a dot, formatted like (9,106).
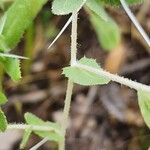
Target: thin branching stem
(67,105)
(34,127)
(35,147)
(135,22)
(61,32)
(132,84)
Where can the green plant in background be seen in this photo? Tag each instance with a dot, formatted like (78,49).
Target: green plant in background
(84,71)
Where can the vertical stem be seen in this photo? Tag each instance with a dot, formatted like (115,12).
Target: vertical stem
(70,83)
(67,106)
(28,50)
(74,38)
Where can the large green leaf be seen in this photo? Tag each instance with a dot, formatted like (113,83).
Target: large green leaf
(84,77)
(3,98)
(12,67)
(97,8)
(117,2)
(3,121)
(18,18)
(55,130)
(144,104)
(107,31)
(63,7)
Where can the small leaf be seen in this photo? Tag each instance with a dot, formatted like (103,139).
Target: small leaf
(63,7)
(26,137)
(3,98)
(84,77)
(55,130)
(144,104)
(3,121)
(107,31)
(12,67)
(97,8)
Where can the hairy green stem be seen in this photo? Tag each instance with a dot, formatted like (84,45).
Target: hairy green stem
(70,83)
(132,84)
(66,113)
(34,127)
(66,110)
(74,38)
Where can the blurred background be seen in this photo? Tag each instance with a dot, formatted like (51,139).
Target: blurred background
(101,117)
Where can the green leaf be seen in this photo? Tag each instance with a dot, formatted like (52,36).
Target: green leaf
(19,16)
(3,121)
(117,2)
(63,7)
(144,104)
(107,31)
(84,77)
(97,8)
(2,22)
(12,67)
(3,44)
(54,134)
(3,98)
(26,137)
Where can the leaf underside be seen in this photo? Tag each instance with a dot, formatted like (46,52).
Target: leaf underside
(107,32)
(50,135)
(64,7)
(98,9)
(144,104)
(84,77)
